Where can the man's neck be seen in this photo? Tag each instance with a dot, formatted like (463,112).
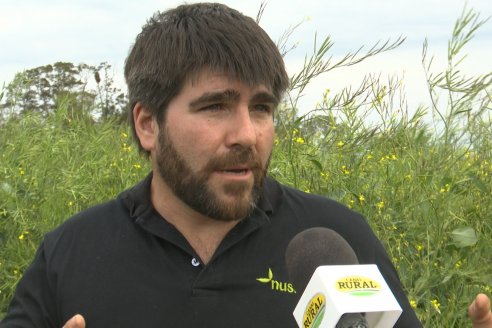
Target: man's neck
(203,233)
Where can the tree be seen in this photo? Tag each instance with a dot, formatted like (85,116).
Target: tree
(42,89)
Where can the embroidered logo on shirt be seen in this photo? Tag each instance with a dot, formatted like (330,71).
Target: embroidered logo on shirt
(276,285)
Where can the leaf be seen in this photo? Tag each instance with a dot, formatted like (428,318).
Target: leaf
(266,280)
(263,280)
(478,183)
(463,237)
(447,278)
(317,164)
(7,188)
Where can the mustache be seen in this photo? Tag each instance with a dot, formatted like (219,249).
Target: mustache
(237,157)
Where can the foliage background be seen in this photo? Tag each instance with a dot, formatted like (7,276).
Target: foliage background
(421,176)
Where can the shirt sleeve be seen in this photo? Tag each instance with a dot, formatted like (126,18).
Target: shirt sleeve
(33,304)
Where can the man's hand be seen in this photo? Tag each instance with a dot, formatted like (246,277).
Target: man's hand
(479,312)
(77,321)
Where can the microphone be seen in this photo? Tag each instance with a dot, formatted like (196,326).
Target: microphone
(312,248)
(340,289)
(315,247)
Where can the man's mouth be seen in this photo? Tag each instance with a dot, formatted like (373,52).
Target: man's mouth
(238,171)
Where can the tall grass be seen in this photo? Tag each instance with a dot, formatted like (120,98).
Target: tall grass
(424,185)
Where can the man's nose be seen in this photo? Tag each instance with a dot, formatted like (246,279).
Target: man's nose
(242,129)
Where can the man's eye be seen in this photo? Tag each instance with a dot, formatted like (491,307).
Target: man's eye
(213,107)
(263,108)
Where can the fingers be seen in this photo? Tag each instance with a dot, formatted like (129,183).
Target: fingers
(77,321)
(479,312)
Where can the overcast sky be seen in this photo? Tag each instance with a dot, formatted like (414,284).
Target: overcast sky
(40,32)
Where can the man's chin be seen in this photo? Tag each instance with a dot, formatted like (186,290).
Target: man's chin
(235,203)
(234,211)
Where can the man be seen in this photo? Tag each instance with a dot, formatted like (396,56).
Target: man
(201,241)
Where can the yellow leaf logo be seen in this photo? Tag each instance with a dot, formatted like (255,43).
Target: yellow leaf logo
(266,280)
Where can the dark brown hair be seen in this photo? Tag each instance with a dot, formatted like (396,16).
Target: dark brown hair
(177,44)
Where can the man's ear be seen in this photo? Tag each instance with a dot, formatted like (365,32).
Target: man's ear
(145,126)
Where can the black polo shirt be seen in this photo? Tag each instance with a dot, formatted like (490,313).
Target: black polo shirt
(120,264)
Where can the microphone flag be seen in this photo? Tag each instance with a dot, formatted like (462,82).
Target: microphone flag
(338,289)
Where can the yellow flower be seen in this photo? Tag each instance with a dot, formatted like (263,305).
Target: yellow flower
(369,156)
(124,135)
(444,189)
(23,235)
(70,204)
(345,170)
(413,304)
(380,205)
(137,166)
(458,264)
(340,144)
(299,140)
(126,147)
(21,171)
(388,157)
(419,247)
(362,198)
(437,306)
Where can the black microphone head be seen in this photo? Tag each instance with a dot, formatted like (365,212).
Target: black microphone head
(352,320)
(312,248)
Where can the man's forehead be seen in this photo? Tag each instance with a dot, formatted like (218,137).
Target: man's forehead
(211,78)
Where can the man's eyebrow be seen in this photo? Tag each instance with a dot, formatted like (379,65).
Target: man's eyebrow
(265,97)
(218,96)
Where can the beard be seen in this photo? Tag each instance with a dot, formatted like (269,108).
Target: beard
(194,189)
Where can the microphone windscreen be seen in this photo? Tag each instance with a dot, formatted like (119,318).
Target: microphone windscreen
(312,248)
(352,320)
